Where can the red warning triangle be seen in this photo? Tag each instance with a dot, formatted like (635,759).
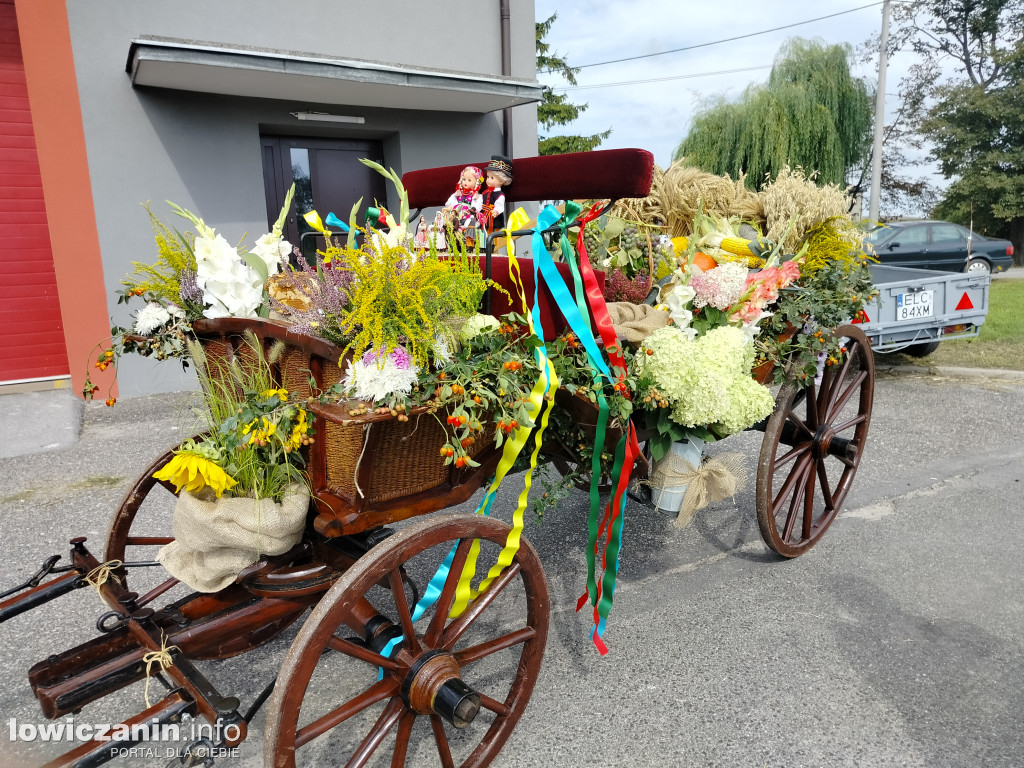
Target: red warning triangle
(860,317)
(965,302)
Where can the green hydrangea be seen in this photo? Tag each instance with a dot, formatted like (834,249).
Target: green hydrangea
(477,324)
(706,380)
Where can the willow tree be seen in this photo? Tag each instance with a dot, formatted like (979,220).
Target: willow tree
(812,113)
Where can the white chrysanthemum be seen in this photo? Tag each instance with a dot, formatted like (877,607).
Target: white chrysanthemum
(477,324)
(230,287)
(375,381)
(151,317)
(273,251)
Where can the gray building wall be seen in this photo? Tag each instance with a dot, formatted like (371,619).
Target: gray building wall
(203,152)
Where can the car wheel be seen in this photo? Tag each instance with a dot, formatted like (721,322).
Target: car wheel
(978,267)
(921,350)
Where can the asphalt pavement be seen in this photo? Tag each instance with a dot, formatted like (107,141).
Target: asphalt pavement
(895,642)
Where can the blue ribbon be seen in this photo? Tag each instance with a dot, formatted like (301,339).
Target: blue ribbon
(430,596)
(334,221)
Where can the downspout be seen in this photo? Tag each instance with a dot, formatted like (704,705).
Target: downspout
(506,71)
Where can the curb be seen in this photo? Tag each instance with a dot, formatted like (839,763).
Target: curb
(954,372)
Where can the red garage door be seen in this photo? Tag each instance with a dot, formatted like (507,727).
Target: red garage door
(31,335)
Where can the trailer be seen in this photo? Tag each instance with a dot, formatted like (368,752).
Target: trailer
(917,308)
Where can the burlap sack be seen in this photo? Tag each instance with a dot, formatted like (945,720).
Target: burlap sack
(635,322)
(214,540)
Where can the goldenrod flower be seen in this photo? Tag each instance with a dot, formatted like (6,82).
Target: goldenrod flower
(194,472)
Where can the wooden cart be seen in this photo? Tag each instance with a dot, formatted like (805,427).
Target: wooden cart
(364,671)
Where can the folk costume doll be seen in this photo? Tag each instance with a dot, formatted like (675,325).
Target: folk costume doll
(466,202)
(499,175)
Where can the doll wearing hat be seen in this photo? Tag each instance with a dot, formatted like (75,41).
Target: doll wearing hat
(498,175)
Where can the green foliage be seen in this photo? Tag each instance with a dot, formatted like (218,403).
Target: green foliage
(253,430)
(556,109)
(812,113)
(484,388)
(819,301)
(978,138)
(972,120)
(162,279)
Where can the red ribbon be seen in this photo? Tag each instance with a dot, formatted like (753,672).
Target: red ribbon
(603,320)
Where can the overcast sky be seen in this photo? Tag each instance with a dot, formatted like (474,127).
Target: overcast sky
(656,115)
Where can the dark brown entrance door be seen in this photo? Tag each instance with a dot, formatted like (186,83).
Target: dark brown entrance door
(328,178)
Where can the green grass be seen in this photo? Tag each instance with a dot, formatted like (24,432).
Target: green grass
(1000,343)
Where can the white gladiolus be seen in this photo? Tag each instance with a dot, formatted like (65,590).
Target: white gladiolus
(676,303)
(273,250)
(230,287)
(751,330)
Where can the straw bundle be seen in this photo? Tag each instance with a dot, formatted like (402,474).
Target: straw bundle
(687,190)
(648,210)
(793,204)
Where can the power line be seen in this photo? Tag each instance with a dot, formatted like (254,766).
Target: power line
(661,79)
(719,42)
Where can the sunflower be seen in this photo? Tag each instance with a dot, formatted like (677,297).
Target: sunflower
(195,472)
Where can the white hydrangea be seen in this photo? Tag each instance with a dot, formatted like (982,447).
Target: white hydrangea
(231,288)
(151,317)
(706,380)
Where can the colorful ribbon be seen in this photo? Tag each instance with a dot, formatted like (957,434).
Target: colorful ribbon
(542,391)
(626,454)
(542,394)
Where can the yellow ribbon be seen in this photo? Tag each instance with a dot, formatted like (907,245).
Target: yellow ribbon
(546,384)
(162,657)
(98,576)
(313,219)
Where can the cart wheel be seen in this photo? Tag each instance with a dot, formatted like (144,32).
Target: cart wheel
(455,688)
(812,447)
(141,523)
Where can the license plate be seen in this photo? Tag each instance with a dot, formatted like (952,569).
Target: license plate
(912,306)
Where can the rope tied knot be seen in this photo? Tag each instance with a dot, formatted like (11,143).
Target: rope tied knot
(715,479)
(162,657)
(99,575)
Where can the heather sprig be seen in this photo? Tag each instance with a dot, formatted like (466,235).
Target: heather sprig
(327,289)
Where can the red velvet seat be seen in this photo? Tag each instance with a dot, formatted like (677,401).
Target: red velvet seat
(606,174)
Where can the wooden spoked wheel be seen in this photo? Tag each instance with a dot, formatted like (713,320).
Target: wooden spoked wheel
(142,522)
(451,690)
(812,448)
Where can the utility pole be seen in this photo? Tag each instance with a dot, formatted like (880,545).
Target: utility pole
(876,148)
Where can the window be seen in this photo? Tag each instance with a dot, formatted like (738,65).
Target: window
(948,233)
